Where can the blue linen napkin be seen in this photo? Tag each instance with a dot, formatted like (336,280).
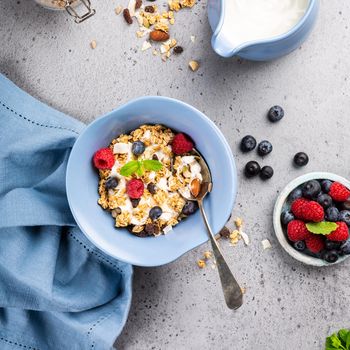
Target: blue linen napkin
(57,291)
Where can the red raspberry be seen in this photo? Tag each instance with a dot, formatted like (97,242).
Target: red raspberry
(135,188)
(340,234)
(297,231)
(312,211)
(297,206)
(315,243)
(339,192)
(181,144)
(104,158)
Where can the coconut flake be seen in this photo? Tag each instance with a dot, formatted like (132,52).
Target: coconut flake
(122,148)
(167,229)
(146,45)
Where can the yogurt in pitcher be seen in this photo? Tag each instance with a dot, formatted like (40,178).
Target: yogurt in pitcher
(251,20)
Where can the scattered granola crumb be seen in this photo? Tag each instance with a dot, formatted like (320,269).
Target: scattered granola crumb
(235,237)
(93,44)
(155,53)
(244,290)
(201,263)
(193,38)
(207,255)
(118,10)
(238,222)
(146,45)
(266,244)
(194,65)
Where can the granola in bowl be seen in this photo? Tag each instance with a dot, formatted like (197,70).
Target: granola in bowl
(141,177)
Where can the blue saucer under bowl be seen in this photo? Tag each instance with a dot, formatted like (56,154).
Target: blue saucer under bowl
(82,181)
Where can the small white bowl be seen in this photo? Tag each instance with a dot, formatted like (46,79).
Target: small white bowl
(282,203)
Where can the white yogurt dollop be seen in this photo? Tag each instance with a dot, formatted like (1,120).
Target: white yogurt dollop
(250,20)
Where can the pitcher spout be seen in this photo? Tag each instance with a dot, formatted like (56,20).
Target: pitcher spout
(222,46)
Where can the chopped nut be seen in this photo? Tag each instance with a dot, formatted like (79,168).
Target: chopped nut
(266,244)
(118,10)
(146,45)
(93,44)
(207,255)
(158,35)
(194,65)
(245,238)
(201,263)
(195,187)
(238,222)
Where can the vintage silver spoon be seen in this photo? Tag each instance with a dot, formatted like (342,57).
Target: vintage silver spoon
(232,291)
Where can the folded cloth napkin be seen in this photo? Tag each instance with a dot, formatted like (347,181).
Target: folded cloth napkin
(57,291)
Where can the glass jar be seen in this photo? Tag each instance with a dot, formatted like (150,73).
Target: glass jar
(70,7)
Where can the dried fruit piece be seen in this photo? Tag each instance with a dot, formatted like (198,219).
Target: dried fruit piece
(178,49)
(149,9)
(195,187)
(158,35)
(127,17)
(138,4)
(225,232)
(194,65)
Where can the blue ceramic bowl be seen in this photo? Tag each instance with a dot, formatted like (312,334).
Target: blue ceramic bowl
(82,181)
(261,50)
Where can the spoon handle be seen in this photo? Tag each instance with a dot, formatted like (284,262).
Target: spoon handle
(232,291)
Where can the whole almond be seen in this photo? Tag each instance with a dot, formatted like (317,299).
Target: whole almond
(127,16)
(158,35)
(195,187)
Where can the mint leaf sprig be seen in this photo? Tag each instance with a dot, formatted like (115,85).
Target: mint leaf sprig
(321,228)
(339,341)
(139,166)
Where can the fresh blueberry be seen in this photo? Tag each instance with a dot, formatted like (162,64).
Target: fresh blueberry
(331,256)
(189,208)
(332,214)
(332,245)
(276,113)
(345,248)
(295,194)
(252,168)
(248,143)
(301,159)
(264,148)
(287,217)
(111,183)
(155,213)
(138,147)
(266,173)
(325,200)
(311,189)
(344,215)
(300,246)
(326,185)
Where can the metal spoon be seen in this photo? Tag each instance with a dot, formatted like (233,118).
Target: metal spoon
(232,291)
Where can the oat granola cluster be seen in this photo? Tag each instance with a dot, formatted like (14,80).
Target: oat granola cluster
(155,24)
(159,205)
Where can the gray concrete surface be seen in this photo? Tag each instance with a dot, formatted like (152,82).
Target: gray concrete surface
(178,306)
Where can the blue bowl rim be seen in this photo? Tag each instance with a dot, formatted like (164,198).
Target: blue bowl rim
(312,4)
(205,119)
